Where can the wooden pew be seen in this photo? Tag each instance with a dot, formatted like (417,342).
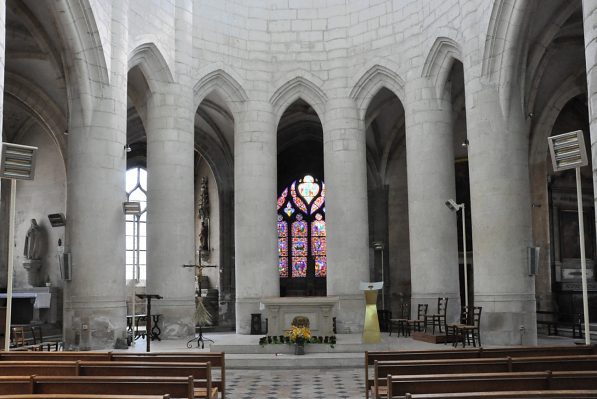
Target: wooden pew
(54,356)
(486,365)
(464,353)
(568,394)
(399,386)
(217,360)
(201,372)
(177,387)
(82,396)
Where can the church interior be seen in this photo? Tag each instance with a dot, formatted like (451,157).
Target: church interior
(217,176)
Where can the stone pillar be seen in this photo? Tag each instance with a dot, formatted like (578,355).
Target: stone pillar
(347,220)
(255,174)
(501,214)
(95,299)
(170,191)
(4,184)
(431,182)
(590,32)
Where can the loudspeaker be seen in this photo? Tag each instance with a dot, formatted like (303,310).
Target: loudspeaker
(66,267)
(533,260)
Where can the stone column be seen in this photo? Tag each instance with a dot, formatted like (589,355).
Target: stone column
(170,190)
(255,174)
(501,214)
(95,299)
(347,219)
(590,32)
(4,184)
(431,182)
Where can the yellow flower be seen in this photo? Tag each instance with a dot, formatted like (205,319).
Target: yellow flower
(298,334)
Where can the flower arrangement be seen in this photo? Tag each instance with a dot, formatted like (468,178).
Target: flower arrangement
(299,334)
(286,339)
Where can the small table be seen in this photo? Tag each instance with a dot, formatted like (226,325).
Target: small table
(148,318)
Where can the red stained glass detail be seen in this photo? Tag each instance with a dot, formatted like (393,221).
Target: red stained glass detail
(297,201)
(282,198)
(299,267)
(282,229)
(283,267)
(299,229)
(308,188)
(318,228)
(299,246)
(282,246)
(321,266)
(317,204)
(318,245)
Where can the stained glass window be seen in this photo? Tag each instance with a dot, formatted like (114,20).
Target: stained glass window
(302,245)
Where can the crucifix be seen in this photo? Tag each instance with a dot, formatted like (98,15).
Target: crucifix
(202,316)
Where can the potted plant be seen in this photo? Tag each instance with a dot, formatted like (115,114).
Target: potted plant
(299,336)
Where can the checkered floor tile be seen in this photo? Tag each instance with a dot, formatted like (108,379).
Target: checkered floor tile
(295,384)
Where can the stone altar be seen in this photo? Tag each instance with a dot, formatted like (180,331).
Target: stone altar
(281,310)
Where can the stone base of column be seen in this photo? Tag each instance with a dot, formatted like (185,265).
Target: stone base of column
(94,323)
(244,308)
(176,317)
(453,312)
(508,319)
(350,314)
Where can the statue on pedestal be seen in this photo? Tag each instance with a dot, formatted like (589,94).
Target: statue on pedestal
(203,211)
(32,252)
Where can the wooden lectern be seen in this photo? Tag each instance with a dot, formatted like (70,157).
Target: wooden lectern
(371,333)
(148,334)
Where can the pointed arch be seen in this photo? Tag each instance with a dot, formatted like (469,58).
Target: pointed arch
(371,81)
(503,52)
(85,61)
(43,109)
(296,88)
(150,60)
(222,81)
(439,61)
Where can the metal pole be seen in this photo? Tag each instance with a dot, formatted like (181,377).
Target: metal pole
(11,245)
(583,261)
(464,257)
(135,256)
(383,297)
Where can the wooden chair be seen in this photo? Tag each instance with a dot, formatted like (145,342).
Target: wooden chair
(18,336)
(401,321)
(452,329)
(418,323)
(471,331)
(438,319)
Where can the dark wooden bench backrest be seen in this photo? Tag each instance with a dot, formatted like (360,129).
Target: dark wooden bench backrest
(199,371)
(82,396)
(489,382)
(568,394)
(176,387)
(54,356)
(215,358)
(485,365)
(34,367)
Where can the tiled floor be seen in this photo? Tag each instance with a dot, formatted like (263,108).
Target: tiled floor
(295,384)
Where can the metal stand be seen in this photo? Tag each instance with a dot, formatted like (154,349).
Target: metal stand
(200,339)
(148,328)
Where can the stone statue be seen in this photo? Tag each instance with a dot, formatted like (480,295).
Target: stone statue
(203,246)
(204,200)
(33,241)
(203,211)
(32,253)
